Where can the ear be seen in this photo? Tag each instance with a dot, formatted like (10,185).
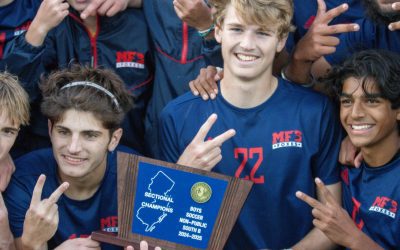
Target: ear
(218,33)
(50,126)
(281,44)
(115,138)
(398,114)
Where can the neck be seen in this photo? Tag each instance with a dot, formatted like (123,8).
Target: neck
(244,93)
(91,24)
(82,188)
(5,2)
(379,155)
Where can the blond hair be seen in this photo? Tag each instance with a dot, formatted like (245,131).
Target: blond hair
(264,13)
(13,99)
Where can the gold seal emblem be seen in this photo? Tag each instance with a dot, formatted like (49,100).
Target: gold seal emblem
(201,192)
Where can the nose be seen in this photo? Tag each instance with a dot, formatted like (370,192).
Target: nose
(75,145)
(357,110)
(248,41)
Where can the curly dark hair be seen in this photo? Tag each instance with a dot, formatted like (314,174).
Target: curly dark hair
(56,101)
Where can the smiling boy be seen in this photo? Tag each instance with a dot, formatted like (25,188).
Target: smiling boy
(14,112)
(285,135)
(58,196)
(369,91)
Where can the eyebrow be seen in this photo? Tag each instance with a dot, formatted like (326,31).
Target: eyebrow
(367,95)
(10,128)
(84,131)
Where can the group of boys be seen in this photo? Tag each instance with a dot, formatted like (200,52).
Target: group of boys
(259,127)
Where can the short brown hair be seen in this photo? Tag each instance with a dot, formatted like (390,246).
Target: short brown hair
(13,99)
(57,100)
(264,13)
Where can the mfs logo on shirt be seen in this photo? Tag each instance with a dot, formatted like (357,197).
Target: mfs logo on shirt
(287,138)
(384,205)
(129,59)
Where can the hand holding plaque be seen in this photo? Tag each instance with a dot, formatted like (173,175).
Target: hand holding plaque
(173,206)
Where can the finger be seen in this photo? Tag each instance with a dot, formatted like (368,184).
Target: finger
(2,204)
(340,28)
(219,75)
(211,82)
(103,8)
(394,26)
(178,12)
(309,200)
(144,245)
(193,88)
(326,194)
(90,10)
(178,5)
(332,13)
(37,191)
(358,160)
(157,248)
(321,9)
(211,164)
(3,182)
(205,128)
(330,41)
(129,248)
(59,191)
(117,7)
(396,6)
(219,140)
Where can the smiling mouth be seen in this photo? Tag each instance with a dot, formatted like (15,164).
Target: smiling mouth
(73,160)
(246,58)
(361,127)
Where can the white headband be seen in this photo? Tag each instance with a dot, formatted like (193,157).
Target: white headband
(94,85)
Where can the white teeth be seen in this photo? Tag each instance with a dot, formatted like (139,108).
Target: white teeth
(361,127)
(73,159)
(246,57)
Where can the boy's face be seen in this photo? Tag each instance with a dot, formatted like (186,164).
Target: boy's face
(79,5)
(8,134)
(368,118)
(80,144)
(248,50)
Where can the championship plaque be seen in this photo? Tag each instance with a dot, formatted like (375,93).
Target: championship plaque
(173,206)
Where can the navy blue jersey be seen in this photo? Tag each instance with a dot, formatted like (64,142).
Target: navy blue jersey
(15,19)
(121,44)
(306,10)
(371,197)
(77,218)
(370,36)
(280,145)
(178,60)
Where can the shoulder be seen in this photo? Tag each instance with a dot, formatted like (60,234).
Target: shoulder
(300,94)
(182,104)
(35,163)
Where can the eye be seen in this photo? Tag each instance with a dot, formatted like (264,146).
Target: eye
(372,100)
(345,101)
(91,135)
(263,33)
(9,132)
(62,132)
(235,29)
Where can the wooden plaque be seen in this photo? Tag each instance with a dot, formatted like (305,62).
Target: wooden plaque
(173,206)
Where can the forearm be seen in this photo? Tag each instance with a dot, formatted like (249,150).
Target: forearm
(315,239)
(28,243)
(36,34)
(363,242)
(298,70)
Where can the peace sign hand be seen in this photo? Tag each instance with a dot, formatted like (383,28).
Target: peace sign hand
(319,39)
(205,154)
(41,219)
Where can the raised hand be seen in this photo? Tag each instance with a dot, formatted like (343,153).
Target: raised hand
(108,7)
(41,219)
(395,25)
(79,244)
(205,84)
(50,14)
(334,221)
(205,154)
(349,155)
(319,39)
(195,13)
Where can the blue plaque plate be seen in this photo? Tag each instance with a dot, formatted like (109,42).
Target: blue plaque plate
(176,206)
